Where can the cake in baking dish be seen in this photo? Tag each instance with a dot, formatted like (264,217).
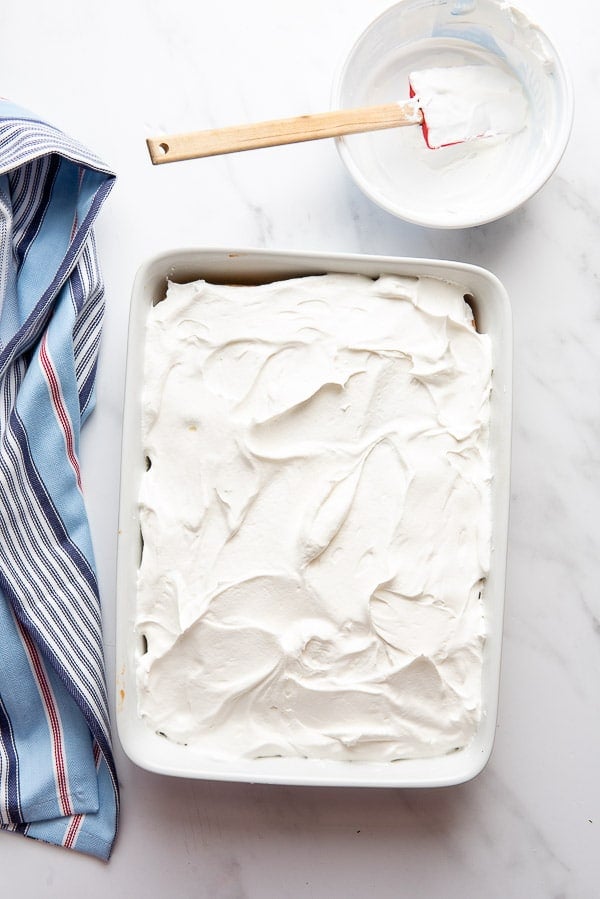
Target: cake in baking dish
(315,515)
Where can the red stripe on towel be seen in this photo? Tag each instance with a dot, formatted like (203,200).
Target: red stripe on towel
(53,716)
(58,404)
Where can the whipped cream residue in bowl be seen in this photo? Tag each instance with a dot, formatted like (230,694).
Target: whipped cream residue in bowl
(315,517)
(470,183)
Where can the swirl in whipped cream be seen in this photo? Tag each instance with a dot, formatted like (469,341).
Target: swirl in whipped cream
(315,518)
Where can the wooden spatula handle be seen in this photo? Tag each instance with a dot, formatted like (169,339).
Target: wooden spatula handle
(196,144)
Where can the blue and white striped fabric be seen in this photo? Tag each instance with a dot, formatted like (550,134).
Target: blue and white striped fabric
(57,776)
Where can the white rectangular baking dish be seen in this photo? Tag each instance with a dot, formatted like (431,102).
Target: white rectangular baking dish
(490,304)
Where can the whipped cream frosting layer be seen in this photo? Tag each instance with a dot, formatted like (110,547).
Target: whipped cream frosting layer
(315,517)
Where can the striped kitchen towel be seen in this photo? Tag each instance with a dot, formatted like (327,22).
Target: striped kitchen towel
(57,776)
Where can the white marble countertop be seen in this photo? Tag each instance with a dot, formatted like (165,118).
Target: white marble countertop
(112,74)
